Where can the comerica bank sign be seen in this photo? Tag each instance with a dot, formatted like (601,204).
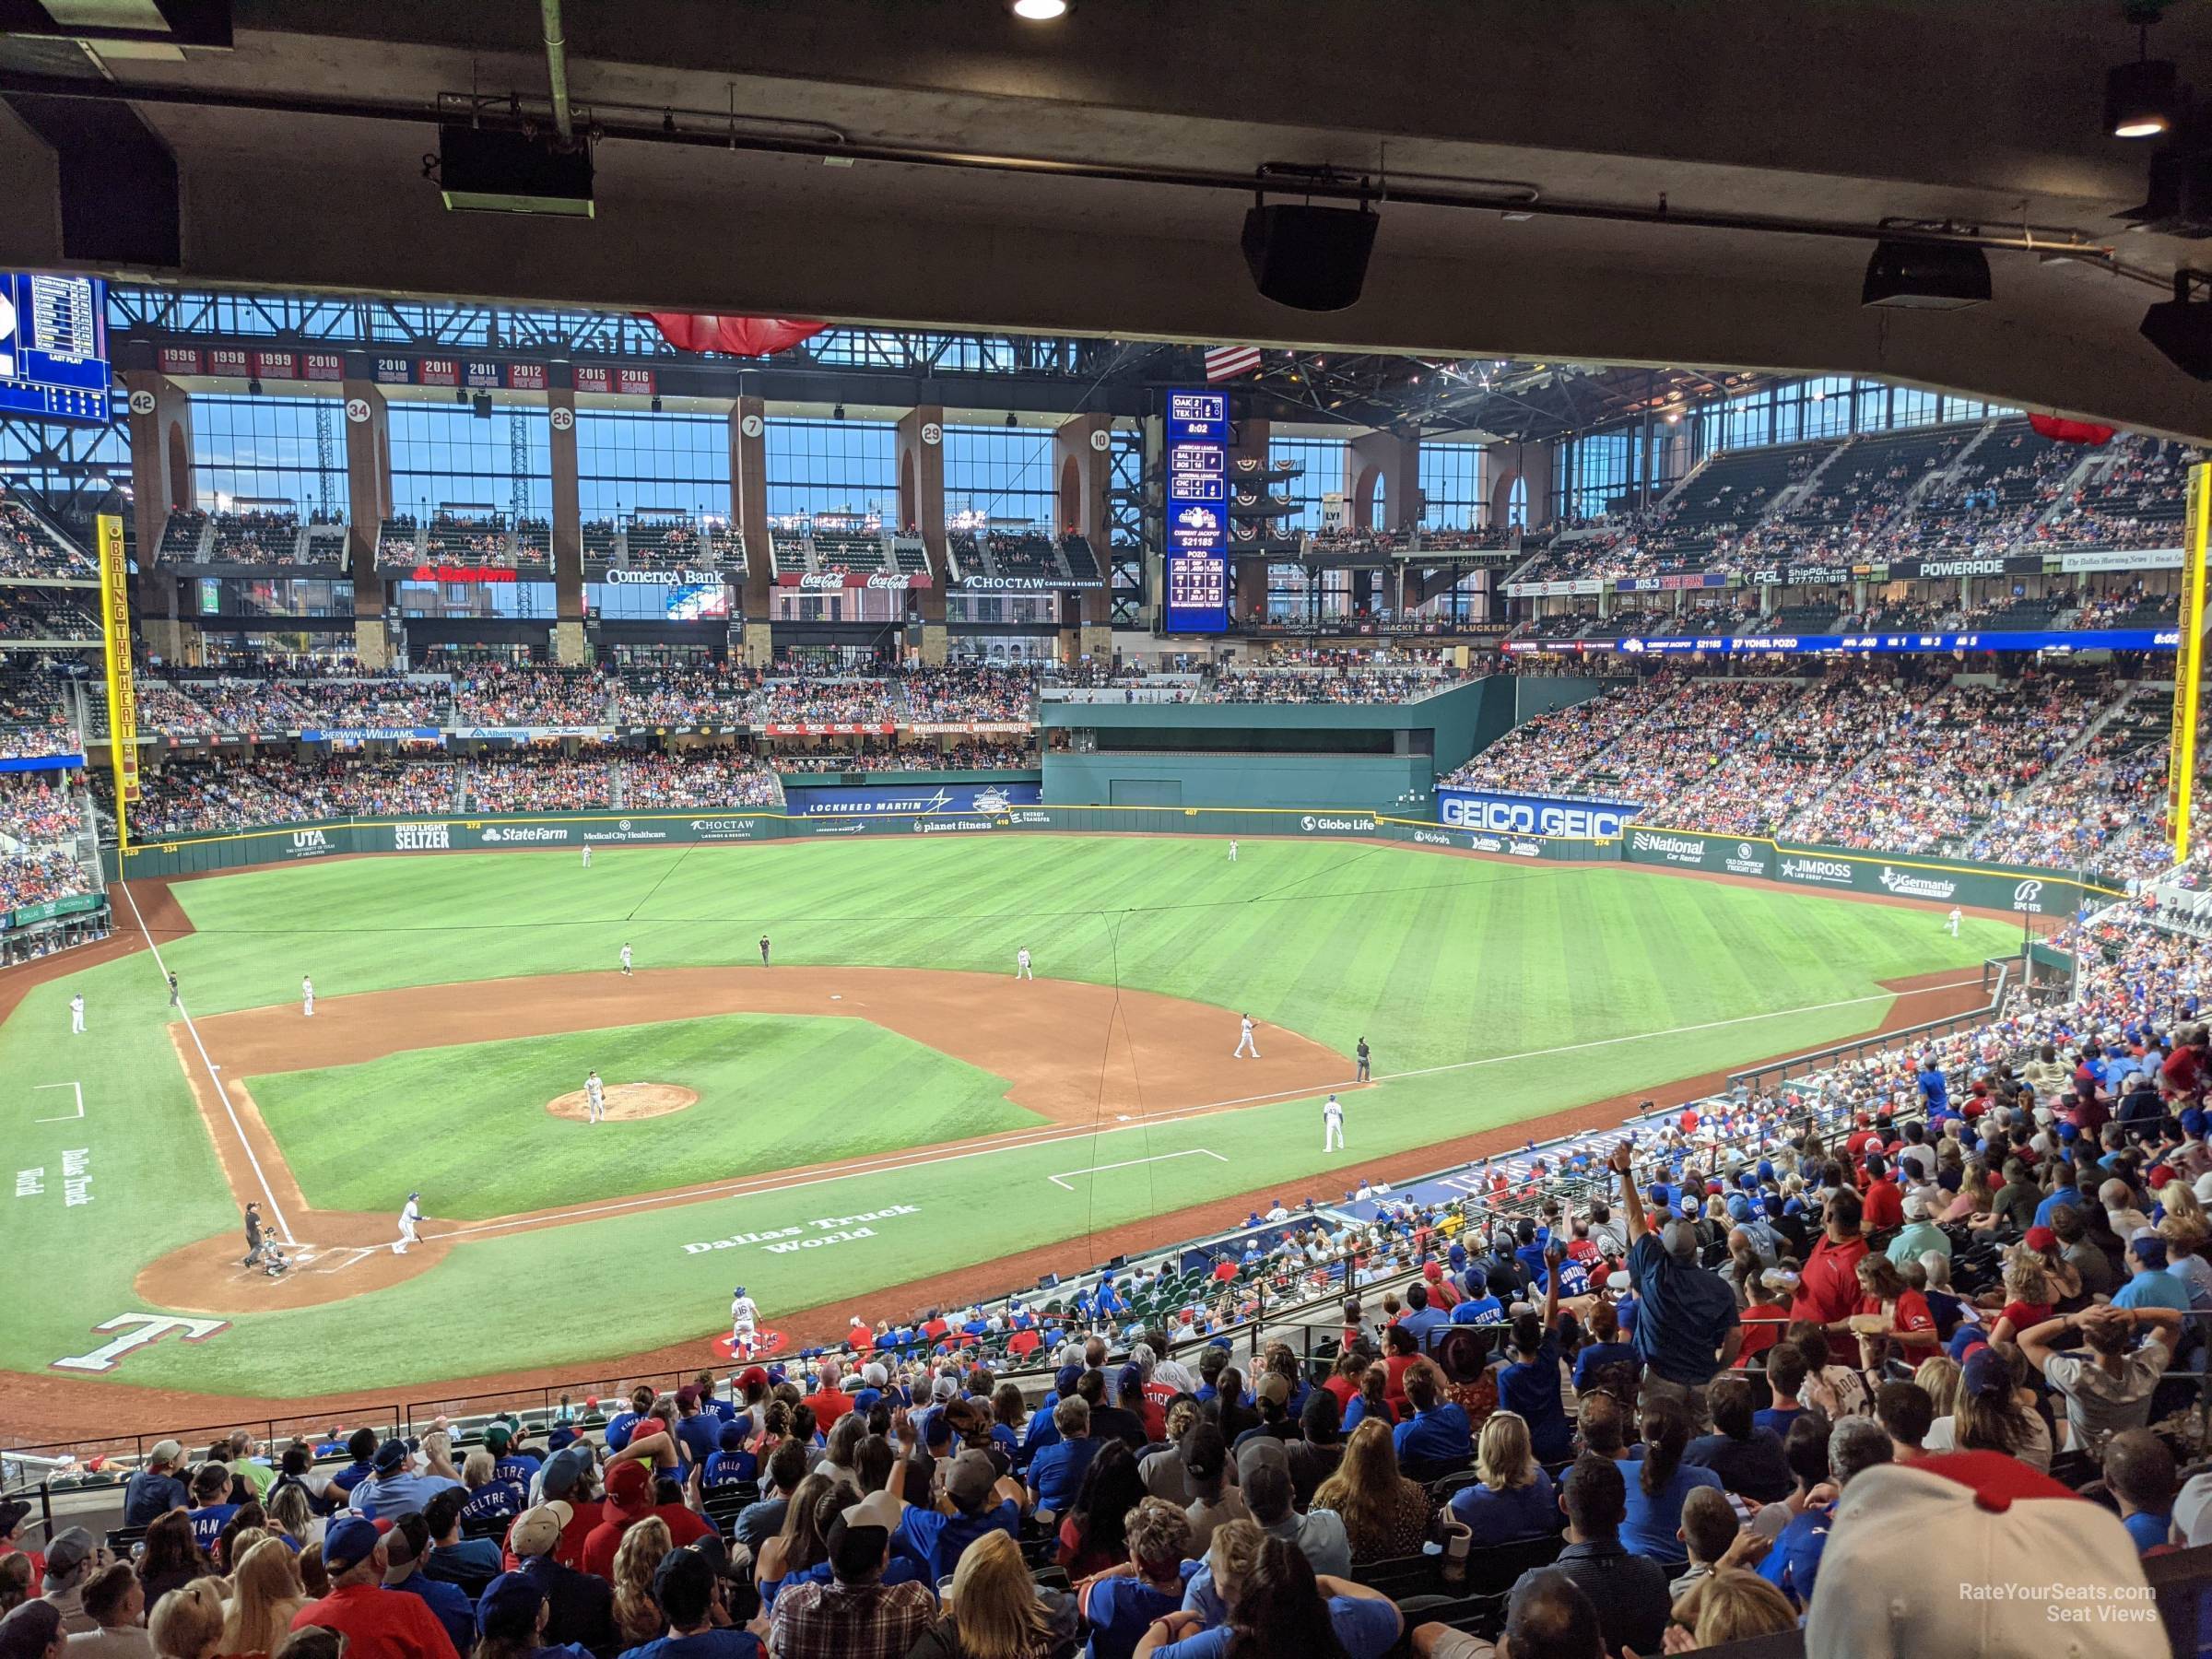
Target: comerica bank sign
(1504,814)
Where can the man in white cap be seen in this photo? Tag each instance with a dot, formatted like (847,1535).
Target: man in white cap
(155,1489)
(579,1608)
(2028,1568)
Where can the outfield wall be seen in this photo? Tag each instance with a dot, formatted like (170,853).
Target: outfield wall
(1927,879)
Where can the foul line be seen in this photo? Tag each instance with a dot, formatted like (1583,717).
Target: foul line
(1129,1163)
(1024,1139)
(66,1117)
(244,1141)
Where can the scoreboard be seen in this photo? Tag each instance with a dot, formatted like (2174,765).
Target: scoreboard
(53,347)
(1195,553)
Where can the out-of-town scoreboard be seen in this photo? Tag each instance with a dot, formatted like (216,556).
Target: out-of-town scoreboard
(1195,553)
(53,347)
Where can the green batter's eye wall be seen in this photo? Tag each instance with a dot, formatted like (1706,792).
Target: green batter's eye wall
(2018,889)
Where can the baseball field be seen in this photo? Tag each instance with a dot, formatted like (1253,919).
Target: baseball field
(879,1109)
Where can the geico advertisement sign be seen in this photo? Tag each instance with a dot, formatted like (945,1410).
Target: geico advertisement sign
(1534,814)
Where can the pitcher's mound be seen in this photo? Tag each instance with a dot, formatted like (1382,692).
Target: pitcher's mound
(627,1102)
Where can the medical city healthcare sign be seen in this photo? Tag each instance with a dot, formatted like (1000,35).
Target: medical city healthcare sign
(1503,814)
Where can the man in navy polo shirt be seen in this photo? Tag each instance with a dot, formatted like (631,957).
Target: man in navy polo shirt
(1438,1433)
(1685,1328)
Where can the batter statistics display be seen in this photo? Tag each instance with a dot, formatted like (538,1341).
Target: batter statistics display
(1196,557)
(53,347)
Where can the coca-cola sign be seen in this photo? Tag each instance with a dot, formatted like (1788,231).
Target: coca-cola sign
(817,581)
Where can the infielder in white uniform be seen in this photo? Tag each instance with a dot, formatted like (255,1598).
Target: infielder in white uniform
(588,856)
(625,961)
(307,997)
(407,1219)
(1953,923)
(77,1015)
(1332,1122)
(745,1318)
(1244,1042)
(1021,964)
(1232,849)
(594,1099)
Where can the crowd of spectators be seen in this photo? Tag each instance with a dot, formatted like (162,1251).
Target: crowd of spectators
(681,696)
(29,548)
(39,814)
(33,721)
(923,756)
(704,777)
(2136,502)
(1310,683)
(43,614)
(534,782)
(1738,1370)
(260,537)
(498,694)
(971,693)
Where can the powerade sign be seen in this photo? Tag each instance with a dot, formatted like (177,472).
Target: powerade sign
(1503,814)
(1196,557)
(910,800)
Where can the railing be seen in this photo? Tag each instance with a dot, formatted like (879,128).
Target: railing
(1755,1079)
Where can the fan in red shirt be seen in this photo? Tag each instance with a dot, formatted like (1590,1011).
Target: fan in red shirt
(376,1623)
(1861,1138)
(1885,1201)
(628,1501)
(2183,1073)
(1828,1287)
(1891,1314)
(830,1401)
(1765,1320)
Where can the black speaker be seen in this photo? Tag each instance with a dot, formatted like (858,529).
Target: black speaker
(485,171)
(1309,258)
(2181,328)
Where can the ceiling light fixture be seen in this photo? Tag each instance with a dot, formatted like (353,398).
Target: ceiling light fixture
(2141,99)
(1039,11)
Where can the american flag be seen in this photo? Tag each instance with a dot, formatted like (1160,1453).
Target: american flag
(1226,362)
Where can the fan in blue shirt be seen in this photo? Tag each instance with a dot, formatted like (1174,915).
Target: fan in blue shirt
(1438,1433)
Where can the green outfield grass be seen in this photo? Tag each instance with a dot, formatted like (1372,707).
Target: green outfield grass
(775,1091)
(1490,992)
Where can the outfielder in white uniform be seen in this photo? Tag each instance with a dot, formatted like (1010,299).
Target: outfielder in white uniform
(625,961)
(594,1099)
(407,1231)
(1953,922)
(1021,964)
(588,856)
(1245,1043)
(77,1015)
(307,997)
(1332,1124)
(1232,849)
(745,1319)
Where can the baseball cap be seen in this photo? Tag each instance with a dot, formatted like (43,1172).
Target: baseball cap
(2150,1252)
(732,1438)
(564,1470)
(1916,1208)
(629,1489)
(536,1531)
(752,1376)
(349,1543)
(391,1456)
(69,1550)
(878,1509)
(1260,1448)
(971,1478)
(1986,1373)
(1273,1388)
(1991,1509)
(29,1630)
(684,1576)
(2040,1239)
(1204,1455)
(686,1398)
(498,1438)
(511,1599)
(167,1451)
(944,1388)
(12,1513)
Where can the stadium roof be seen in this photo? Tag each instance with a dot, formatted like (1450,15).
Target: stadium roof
(1636,185)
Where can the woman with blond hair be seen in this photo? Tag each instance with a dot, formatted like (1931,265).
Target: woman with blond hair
(1939,1376)
(1731,1605)
(994,1610)
(802,1544)
(637,1615)
(2177,1198)
(2185,1237)
(2030,1295)
(188,1623)
(1384,1515)
(1513,1497)
(264,1593)
(290,1509)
